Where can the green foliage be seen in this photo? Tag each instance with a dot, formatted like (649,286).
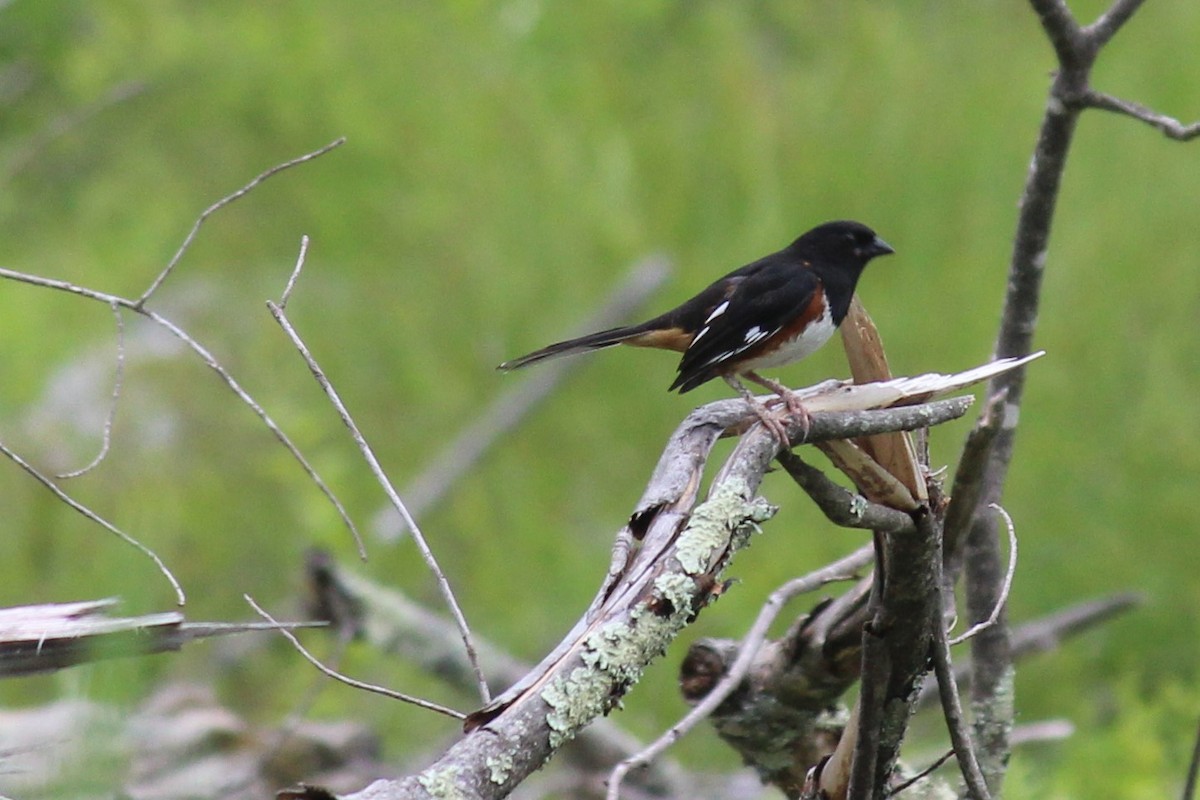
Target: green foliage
(506,162)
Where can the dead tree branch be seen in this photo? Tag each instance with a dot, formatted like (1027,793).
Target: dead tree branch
(368,454)
(1076,48)
(395,625)
(729,680)
(666,567)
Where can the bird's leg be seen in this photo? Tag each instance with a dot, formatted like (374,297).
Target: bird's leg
(769,420)
(789,398)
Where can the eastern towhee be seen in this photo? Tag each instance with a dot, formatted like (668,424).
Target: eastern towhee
(771,312)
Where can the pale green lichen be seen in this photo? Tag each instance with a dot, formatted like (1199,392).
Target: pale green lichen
(441,783)
(678,590)
(616,653)
(574,700)
(727,511)
(499,767)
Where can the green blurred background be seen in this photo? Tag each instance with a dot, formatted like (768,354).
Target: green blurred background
(506,163)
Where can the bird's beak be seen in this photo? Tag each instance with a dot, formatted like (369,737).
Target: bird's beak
(879,248)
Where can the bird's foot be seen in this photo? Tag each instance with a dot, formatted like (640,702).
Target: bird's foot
(789,399)
(772,421)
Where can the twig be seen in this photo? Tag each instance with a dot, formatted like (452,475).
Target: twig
(968,484)
(291,281)
(138,306)
(1111,21)
(1048,632)
(843,569)
(841,506)
(871,695)
(1005,588)
(396,626)
(118,379)
(96,518)
(370,687)
(224,201)
(925,773)
(506,411)
(381,477)
(1189,788)
(1171,127)
(960,737)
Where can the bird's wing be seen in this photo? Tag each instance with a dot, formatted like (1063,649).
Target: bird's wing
(760,305)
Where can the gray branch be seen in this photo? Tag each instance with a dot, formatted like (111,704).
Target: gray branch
(1070,94)
(667,567)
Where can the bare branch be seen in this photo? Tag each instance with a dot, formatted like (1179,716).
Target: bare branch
(291,282)
(1047,633)
(841,506)
(1061,28)
(1002,596)
(1189,788)
(118,379)
(843,569)
(381,477)
(896,642)
(369,687)
(1171,127)
(53,636)
(138,306)
(96,518)
(651,593)
(968,483)
(386,619)
(925,773)
(224,201)
(1111,21)
(960,737)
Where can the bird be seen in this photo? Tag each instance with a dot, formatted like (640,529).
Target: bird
(770,312)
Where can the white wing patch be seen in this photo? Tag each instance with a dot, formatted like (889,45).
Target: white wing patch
(716,312)
(752,336)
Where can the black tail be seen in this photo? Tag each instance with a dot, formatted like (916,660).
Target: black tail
(593,341)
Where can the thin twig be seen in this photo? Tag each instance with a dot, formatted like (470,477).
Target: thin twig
(1189,788)
(1170,127)
(960,737)
(843,569)
(1005,588)
(370,687)
(841,506)
(381,477)
(212,363)
(1111,21)
(224,201)
(968,484)
(291,282)
(96,518)
(925,773)
(118,380)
